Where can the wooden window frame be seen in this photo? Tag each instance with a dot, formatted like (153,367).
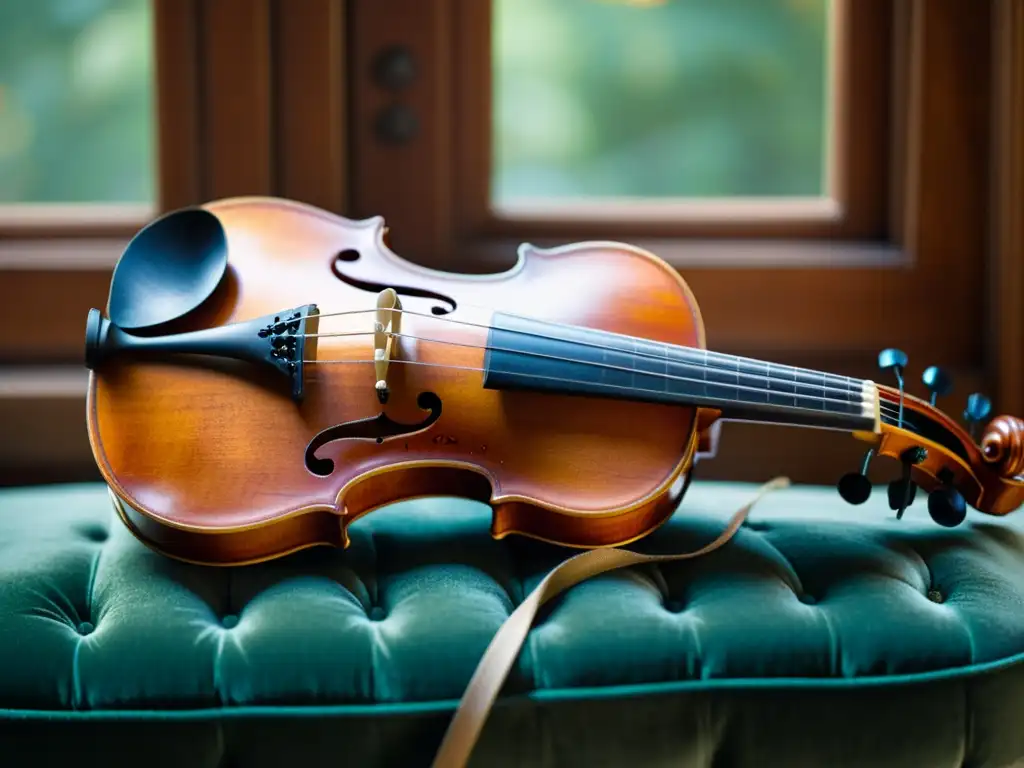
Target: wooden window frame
(912,269)
(430,188)
(919,263)
(938,270)
(227,125)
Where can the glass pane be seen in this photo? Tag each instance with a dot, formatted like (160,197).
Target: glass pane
(660,99)
(76,115)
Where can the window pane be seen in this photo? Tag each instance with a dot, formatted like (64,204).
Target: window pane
(660,99)
(76,116)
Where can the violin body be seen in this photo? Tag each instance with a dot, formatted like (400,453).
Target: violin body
(209,467)
(293,374)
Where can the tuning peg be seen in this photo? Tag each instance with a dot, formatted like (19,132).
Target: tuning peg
(854,487)
(894,360)
(903,491)
(946,505)
(938,382)
(978,409)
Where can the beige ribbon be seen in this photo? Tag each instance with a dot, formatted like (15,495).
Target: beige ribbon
(465,727)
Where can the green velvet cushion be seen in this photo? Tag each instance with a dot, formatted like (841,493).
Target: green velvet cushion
(822,635)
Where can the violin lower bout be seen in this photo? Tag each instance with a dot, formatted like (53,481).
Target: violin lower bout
(322,527)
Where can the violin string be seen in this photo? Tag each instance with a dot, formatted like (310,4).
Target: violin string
(656,374)
(705,354)
(890,411)
(704,357)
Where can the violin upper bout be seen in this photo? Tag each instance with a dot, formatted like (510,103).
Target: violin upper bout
(1002,446)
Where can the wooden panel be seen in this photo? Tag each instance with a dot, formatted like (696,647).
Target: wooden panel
(42,411)
(237,145)
(309,88)
(49,308)
(177,63)
(926,300)
(408,182)
(1006,309)
(951,185)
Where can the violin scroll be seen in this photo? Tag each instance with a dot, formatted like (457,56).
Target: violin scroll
(1002,446)
(937,454)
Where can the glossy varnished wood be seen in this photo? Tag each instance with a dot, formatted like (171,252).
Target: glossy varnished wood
(992,484)
(210,466)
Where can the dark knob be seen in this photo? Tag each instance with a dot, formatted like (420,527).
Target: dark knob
(901,494)
(854,488)
(939,382)
(397,124)
(394,68)
(892,360)
(947,507)
(978,408)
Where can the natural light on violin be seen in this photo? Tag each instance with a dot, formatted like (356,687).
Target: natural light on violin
(268,372)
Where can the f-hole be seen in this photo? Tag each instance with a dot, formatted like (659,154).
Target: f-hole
(443,306)
(378,428)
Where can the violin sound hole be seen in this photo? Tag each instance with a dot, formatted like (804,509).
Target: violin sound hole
(378,428)
(441,304)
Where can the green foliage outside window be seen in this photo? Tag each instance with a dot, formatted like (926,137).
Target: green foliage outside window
(684,98)
(76,102)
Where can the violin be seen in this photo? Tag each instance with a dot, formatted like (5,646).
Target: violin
(267,372)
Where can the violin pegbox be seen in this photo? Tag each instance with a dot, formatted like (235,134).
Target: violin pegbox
(939,455)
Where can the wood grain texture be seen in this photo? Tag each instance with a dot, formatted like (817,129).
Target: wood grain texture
(202,450)
(237,98)
(310,78)
(178,64)
(1005,348)
(421,167)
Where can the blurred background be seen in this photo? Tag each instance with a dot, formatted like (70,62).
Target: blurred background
(592,98)
(830,177)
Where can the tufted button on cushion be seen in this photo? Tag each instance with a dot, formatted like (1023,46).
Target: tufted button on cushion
(822,635)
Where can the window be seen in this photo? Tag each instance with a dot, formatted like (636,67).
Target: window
(627,110)
(76,111)
(111,112)
(858,189)
(836,203)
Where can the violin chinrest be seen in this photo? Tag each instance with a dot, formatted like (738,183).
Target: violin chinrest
(168,269)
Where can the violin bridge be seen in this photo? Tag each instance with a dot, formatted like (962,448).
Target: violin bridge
(388,322)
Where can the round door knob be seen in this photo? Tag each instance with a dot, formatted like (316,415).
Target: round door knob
(396,124)
(394,68)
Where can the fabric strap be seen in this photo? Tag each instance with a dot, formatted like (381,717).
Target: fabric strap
(493,668)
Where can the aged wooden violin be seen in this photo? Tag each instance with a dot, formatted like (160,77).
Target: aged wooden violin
(268,372)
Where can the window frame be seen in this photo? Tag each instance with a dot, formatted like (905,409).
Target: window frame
(226,126)
(859,146)
(936,129)
(934,274)
(950,273)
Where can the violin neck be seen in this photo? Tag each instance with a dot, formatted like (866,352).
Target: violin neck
(531,354)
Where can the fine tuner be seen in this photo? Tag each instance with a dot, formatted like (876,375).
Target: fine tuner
(946,504)
(266,373)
